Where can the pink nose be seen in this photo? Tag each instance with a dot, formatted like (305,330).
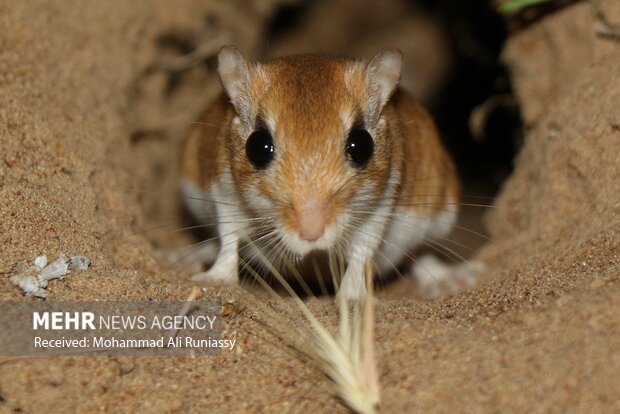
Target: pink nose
(310,220)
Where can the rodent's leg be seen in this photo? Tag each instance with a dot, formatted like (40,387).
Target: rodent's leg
(407,231)
(432,275)
(365,243)
(352,285)
(225,269)
(199,205)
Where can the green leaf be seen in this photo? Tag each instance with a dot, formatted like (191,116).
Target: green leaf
(518,5)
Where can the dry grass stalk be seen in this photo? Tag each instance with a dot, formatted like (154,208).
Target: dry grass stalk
(347,357)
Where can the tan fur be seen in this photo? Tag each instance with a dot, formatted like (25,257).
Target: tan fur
(204,157)
(429,179)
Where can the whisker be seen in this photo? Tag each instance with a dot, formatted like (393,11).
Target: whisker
(349,233)
(317,270)
(193,227)
(390,215)
(210,200)
(395,246)
(433,245)
(194,247)
(425,195)
(462,245)
(205,123)
(445,204)
(365,202)
(404,227)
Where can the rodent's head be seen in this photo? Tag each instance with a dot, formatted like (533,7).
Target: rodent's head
(310,144)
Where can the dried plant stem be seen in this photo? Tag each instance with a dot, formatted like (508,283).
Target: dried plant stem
(346,358)
(369,363)
(194,294)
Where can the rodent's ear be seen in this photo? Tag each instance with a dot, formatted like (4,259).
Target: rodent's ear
(234,70)
(382,76)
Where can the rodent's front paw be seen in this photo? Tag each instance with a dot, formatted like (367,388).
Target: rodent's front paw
(434,277)
(351,294)
(352,287)
(217,277)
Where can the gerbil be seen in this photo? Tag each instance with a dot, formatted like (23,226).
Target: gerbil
(311,153)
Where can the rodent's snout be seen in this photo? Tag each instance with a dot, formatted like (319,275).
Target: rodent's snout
(310,216)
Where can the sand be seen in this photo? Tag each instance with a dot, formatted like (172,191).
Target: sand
(83,126)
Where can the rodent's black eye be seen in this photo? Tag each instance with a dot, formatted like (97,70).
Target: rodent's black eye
(259,148)
(360,146)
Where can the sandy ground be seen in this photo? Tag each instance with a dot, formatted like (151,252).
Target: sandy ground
(79,122)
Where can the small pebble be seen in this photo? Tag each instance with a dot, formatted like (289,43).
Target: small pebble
(29,284)
(40,262)
(34,279)
(80,262)
(56,270)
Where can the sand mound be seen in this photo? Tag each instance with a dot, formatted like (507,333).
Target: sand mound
(80,126)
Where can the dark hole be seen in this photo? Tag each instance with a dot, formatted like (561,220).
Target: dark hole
(477,33)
